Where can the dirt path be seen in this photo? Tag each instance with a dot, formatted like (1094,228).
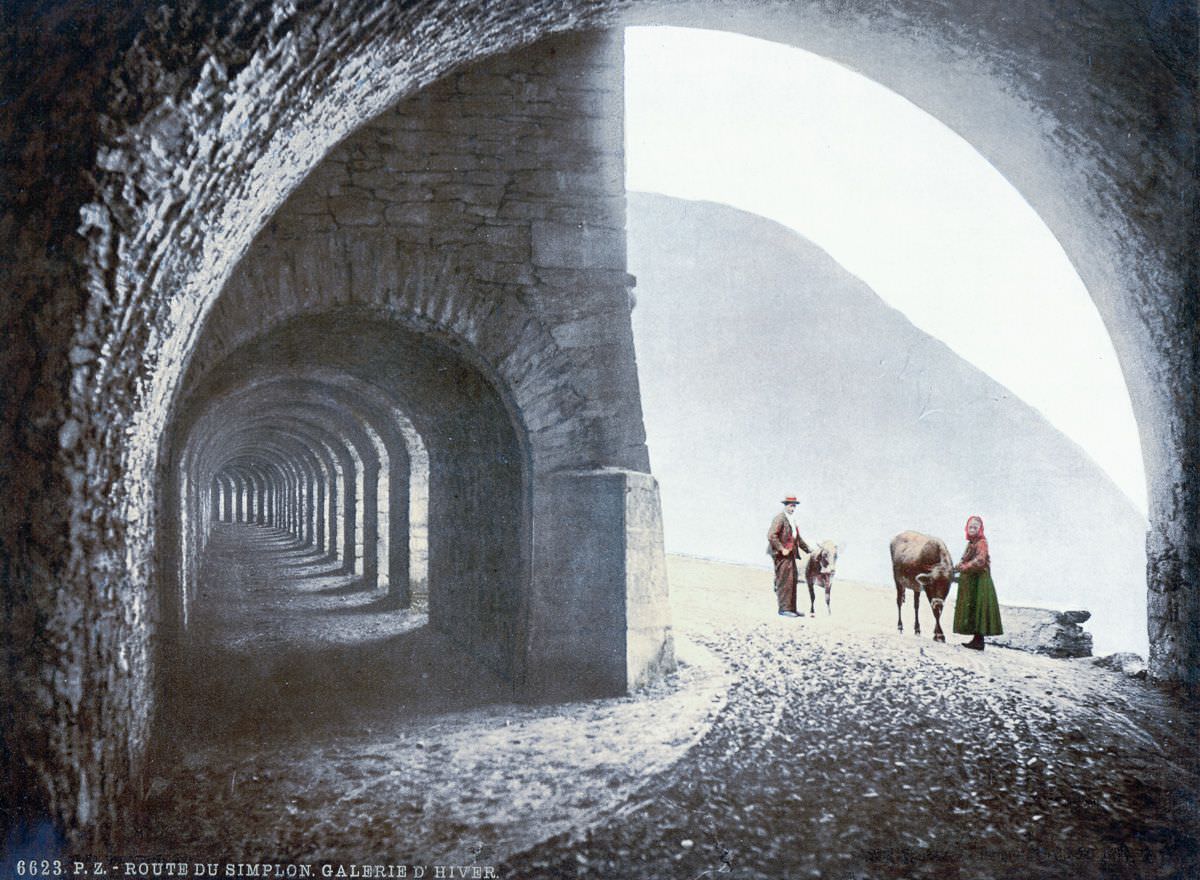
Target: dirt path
(826,747)
(310,722)
(846,751)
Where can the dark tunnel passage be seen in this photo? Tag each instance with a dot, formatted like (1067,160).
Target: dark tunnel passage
(197,174)
(340,513)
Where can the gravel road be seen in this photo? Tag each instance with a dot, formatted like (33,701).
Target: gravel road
(321,727)
(846,750)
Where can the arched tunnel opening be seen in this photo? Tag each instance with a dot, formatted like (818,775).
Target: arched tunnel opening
(833,265)
(230,177)
(340,484)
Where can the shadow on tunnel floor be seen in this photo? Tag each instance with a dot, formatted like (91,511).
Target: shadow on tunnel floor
(279,693)
(343,588)
(300,559)
(273,656)
(330,568)
(377,605)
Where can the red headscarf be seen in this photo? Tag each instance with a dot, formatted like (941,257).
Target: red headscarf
(979,520)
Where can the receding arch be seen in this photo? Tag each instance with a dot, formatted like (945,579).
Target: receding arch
(478,475)
(395,458)
(171,186)
(991,95)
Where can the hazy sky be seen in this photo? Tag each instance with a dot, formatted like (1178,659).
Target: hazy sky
(898,199)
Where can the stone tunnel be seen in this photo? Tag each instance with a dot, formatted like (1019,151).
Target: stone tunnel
(440,312)
(357,273)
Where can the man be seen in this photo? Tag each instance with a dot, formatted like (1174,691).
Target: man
(786,543)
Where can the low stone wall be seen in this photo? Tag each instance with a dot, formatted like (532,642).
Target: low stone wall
(1045,631)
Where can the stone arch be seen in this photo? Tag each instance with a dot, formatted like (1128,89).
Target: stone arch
(409,489)
(478,536)
(312,422)
(428,292)
(339,461)
(311,415)
(210,117)
(1012,132)
(334,462)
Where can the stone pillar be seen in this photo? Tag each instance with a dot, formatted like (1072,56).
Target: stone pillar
(599,614)
(333,513)
(319,512)
(399,587)
(1173,597)
(349,519)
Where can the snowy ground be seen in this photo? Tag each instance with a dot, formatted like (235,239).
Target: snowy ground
(819,747)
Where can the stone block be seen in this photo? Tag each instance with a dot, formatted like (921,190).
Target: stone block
(410,234)
(410,214)
(505,236)
(607,282)
(551,147)
(580,184)
(1045,631)
(480,82)
(581,332)
(424,178)
(356,211)
(475,194)
(385,178)
(538,91)
(517,209)
(396,195)
(577,246)
(1127,663)
(405,140)
(460,161)
(505,273)
(597,105)
(484,178)
(482,252)
(606,211)
(484,107)
(487,212)
(532,112)
(599,608)
(649,647)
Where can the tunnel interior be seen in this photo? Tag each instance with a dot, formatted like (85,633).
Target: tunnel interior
(196,144)
(373,454)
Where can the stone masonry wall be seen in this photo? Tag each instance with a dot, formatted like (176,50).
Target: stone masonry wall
(490,205)
(143,146)
(489,211)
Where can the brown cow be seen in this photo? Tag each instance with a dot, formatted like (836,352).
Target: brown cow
(819,568)
(920,562)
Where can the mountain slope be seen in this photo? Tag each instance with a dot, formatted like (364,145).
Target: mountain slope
(767,369)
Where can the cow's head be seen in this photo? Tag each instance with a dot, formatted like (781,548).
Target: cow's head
(827,554)
(935,583)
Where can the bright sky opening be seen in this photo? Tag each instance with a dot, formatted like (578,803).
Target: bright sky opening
(898,199)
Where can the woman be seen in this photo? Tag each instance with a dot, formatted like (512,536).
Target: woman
(976,611)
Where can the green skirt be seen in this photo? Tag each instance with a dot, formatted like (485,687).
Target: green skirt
(976,609)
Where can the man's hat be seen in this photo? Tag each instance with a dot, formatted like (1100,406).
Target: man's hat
(791,499)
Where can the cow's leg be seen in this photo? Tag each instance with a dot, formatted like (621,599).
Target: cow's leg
(916,612)
(937,605)
(899,603)
(812,598)
(828,590)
